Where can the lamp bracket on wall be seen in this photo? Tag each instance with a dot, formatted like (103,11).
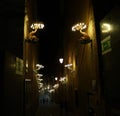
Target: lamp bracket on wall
(69,67)
(85,41)
(32,37)
(84,37)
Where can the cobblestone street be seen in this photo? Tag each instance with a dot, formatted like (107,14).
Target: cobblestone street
(51,109)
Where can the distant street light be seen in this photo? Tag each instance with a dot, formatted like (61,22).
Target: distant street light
(68,65)
(39,75)
(38,66)
(61,60)
(56,78)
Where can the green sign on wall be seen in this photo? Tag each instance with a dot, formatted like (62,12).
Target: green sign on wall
(19,66)
(106,45)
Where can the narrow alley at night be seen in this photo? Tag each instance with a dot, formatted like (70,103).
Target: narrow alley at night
(60,57)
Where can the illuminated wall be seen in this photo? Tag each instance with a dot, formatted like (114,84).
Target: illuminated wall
(84,58)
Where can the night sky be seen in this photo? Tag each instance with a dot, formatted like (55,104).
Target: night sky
(49,12)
